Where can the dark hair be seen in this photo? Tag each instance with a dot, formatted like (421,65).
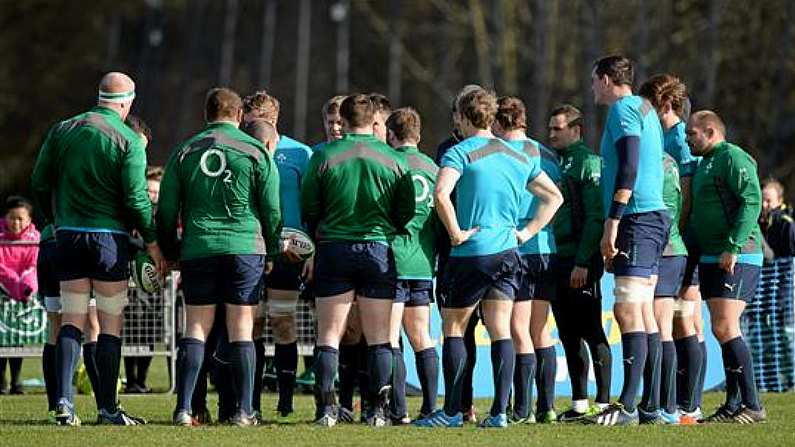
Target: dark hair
(511,113)
(357,110)
(618,68)
(332,106)
(221,103)
(665,88)
(381,103)
(154,173)
(479,107)
(138,125)
(14,202)
(259,128)
(405,124)
(263,105)
(573,114)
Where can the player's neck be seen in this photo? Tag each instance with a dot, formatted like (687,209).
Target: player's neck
(485,133)
(618,92)
(367,130)
(513,135)
(670,120)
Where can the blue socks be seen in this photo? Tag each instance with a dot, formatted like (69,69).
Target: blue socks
(523,375)
(635,348)
(108,360)
(286,359)
(454,362)
(67,353)
(348,373)
(689,364)
(242,358)
(502,363)
(90,362)
(326,364)
(650,401)
(428,371)
(398,403)
(379,363)
(48,369)
(190,355)
(545,378)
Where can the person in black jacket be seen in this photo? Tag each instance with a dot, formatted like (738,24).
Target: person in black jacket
(777,220)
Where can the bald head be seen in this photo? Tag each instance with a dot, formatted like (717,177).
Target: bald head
(705,129)
(263,131)
(117,92)
(708,119)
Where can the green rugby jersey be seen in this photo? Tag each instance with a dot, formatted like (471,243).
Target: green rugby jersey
(90,175)
(224,186)
(672,197)
(357,189)
(415,250)
(579,221)
(727,201)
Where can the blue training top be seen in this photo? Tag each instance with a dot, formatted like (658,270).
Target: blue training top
(292,158)
(675,144)
(494,177)
(634,116)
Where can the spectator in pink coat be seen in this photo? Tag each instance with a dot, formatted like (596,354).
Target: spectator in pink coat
(19,248)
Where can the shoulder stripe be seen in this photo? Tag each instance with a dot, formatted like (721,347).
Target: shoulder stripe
(216,139)
(362,151)
(99,123)
(495,147)
(530,149)
(645,107)
(548,155)
(417,162)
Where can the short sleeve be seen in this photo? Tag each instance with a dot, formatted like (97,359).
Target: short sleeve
(455,158)
(624,120)
(535,168)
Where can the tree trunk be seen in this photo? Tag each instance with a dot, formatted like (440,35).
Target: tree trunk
(302,68)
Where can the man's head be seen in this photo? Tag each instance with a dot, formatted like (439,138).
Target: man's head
(382,110)
(772,195)
(332,121)
(610,76)
(116,92)
(705,129)
(18,214)
(511,116)
(403,127)
(140,127)
(263,131)
(358,114)
(455,110)
(154,174)
(223,104)
(667,94)
(565,126)
(477,110)
(261,105)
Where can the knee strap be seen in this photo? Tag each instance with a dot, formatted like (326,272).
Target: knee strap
(74,302)
(631,289)
(112,305)
(281,308)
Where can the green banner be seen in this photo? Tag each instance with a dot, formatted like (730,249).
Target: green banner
(22,323)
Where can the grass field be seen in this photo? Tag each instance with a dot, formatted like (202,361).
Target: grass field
(23,423)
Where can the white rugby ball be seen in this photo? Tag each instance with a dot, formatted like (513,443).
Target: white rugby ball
(298,242)
(145,274)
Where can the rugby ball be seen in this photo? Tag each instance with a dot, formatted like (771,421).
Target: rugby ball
(298,242)
(145,273)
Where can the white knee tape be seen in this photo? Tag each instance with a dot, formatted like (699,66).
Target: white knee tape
(74,302)
(281,308)
(52,304)
(112,305)
(632,289)
(684,308)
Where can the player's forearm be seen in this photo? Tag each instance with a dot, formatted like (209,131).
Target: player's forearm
(446,212)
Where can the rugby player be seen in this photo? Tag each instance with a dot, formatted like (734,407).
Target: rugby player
(332,122)
(492,178)
(356,196)
(578,266)
(415,257)
(92,216)
(224,186)
(730,201)
(536,282)
(286,281)
(637,224)
(669,96)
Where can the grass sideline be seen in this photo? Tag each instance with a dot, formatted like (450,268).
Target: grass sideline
(23,423)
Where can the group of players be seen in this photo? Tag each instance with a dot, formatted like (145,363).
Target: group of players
(386,220)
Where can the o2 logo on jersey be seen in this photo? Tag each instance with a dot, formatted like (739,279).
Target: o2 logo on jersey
(221,169)
(424,189)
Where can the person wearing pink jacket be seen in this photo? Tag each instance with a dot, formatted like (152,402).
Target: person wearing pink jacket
(19,248)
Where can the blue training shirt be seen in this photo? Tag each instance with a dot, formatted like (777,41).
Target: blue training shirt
(292,158)
(675,144)
(634,116)
(543,242)
(494,177)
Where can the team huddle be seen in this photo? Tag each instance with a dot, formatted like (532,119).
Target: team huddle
(499,228)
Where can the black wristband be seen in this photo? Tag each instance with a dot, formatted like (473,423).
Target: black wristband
(617,210)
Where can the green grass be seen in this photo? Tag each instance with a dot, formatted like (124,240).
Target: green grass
(22,423)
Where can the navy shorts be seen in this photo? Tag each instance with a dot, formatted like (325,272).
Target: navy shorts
(467,279)
(367,268)
(102,256)
(640,243)
(536,278)
(46,270)
(718,283)
(286,275)
(670,273)
(223,279)
(414,292)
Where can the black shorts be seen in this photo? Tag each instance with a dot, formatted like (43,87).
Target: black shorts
(414,292)
(537,278)
(103,256)
(693,255)
(46,270)
(286,275)
(640,243)
(223,279)
(718,283)
(467,279)
(367,268)
(669,276)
